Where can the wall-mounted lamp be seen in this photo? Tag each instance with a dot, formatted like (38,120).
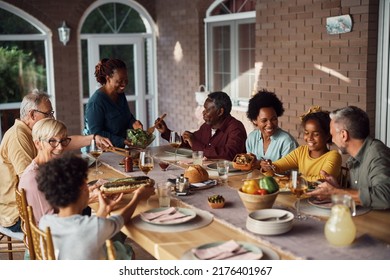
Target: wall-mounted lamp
(64,33)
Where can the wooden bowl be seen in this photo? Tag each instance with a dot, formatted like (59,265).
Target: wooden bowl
(254,202)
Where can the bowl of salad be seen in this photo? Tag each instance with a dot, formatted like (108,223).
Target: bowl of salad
(139,138)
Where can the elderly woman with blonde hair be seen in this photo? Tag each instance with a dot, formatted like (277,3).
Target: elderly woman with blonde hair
(50,137)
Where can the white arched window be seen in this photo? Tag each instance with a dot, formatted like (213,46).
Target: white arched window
(25,61)
(230,47)
(121,29)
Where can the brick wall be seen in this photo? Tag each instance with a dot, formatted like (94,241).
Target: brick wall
(291,44)
(305,66)
(180,28)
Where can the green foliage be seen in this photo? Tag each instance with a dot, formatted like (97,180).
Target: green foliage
(19,73)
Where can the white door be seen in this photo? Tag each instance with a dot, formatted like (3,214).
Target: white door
(131,51)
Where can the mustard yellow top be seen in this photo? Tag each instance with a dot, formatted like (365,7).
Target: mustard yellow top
(308,166)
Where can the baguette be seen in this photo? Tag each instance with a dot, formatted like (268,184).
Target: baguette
(126,185)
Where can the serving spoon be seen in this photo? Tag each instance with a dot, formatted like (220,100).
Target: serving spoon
(152,128)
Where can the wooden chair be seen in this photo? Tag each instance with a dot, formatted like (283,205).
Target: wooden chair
(41,240)
(10,238)
(111,254)
(21,202)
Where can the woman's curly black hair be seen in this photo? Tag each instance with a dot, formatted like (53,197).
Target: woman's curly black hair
(323,119)
(60,179)
(264,99)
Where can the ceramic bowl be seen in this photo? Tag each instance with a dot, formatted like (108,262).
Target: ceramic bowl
(270,227)
(243,166)
(255,202)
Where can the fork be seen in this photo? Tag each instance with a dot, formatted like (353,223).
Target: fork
(271,165)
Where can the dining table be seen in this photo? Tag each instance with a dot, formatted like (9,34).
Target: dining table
(305,241)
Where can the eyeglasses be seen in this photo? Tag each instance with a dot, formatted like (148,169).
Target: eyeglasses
(47,114)
(54,143)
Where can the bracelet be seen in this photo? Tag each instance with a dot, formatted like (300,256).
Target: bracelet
(94,136)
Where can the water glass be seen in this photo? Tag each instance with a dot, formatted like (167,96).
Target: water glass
(197,157)
(164,194)
(223,170)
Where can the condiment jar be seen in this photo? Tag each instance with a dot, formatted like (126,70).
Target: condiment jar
(340,229)
(182,184)
(128,163)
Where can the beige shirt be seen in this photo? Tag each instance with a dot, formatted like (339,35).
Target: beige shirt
(17,150)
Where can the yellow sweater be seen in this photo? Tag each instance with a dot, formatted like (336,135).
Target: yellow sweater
(308,166)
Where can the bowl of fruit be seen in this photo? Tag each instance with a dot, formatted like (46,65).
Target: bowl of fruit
(216,201)
(258,194)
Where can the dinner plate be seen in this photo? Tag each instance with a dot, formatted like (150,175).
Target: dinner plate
(181,152)
(320,204)
(190,215)
(268,254)
(213,166)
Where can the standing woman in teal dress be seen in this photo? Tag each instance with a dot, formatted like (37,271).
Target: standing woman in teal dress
(268,141)
(107,112)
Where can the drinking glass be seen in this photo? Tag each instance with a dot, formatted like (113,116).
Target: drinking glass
(175,141)
(197,157)
(163,164)
(223,170)
(298,187)
(164,194)
(95,151)
(146,162)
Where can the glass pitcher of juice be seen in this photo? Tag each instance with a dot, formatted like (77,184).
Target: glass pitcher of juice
(340,229)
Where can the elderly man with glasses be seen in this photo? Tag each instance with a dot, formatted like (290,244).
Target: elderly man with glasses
(17,150)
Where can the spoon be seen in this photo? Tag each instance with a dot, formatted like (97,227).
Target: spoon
(279,218)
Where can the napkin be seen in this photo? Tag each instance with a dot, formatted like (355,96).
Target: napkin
(153,215)
(166,216)
(204,184)
(227,250)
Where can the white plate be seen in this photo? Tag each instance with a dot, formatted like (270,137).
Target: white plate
(181,152)
(213,166)
(188,212)
(268,254)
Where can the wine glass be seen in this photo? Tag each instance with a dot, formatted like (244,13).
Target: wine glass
(95,151)
(146,162)
(163,164)
(298,187)
(175,141)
